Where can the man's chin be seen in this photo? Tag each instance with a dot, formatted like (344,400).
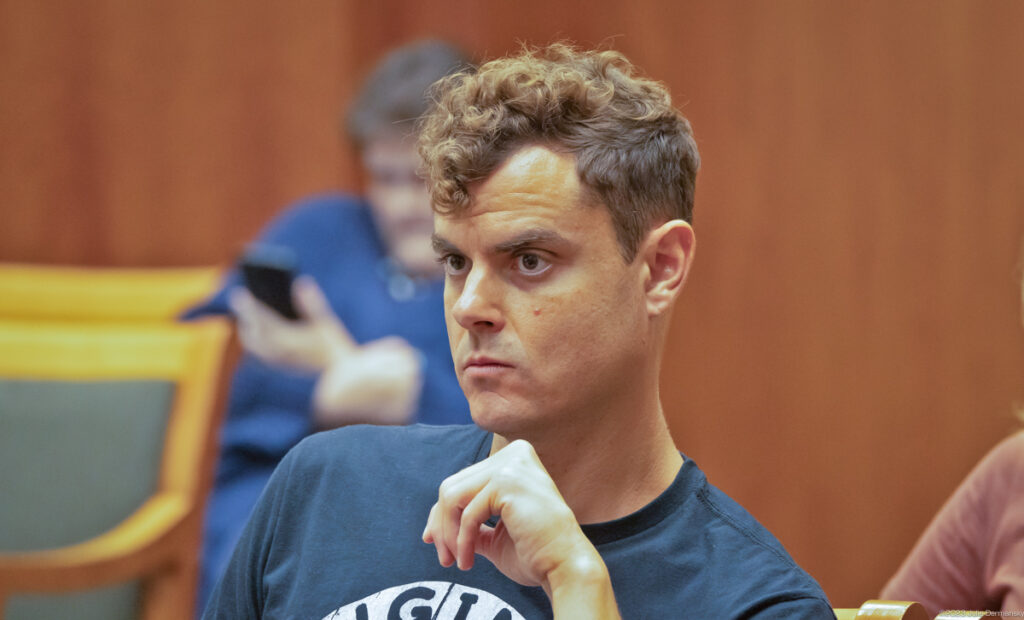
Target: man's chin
(500,416)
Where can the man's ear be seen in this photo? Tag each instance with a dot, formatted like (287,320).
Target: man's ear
(667,253)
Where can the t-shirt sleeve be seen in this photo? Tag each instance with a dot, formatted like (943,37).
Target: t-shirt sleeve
(808,608)
(240,592)
(947,567)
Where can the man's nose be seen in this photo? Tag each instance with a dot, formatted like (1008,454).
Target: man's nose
(478,307)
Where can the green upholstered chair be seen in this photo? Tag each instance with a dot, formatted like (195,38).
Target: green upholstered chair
(106,452)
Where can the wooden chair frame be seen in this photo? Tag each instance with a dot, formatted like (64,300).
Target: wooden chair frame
(37,292)
(159,543)
(901,610)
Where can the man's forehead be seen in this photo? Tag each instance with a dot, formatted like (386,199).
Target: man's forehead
(534,168)
(532,179)
(535,194)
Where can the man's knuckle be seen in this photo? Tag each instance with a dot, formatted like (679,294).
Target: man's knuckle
(445,491)
(507,475)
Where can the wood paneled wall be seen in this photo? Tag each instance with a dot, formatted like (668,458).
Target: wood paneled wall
(850,341)
(158,133)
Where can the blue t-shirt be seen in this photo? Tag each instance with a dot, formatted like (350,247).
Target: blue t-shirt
(270,409)
(337,535)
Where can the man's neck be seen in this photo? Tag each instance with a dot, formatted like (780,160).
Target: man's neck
(609,468)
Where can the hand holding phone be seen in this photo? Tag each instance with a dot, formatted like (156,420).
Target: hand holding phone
(310,344)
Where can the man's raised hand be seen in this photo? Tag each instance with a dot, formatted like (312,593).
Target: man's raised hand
(537,541)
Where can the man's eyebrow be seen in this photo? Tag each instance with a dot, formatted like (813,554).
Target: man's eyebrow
(522,240)
(442,245)
(530,237)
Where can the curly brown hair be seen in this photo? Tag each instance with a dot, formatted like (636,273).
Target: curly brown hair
(634,151)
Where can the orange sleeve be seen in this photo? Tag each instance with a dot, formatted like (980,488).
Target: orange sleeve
(965,558)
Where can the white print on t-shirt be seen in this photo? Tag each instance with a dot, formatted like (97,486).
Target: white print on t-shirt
(428,600)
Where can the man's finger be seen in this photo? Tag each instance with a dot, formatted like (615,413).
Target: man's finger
(473,515)
(444,554)
(432,535)
(244,306)
(428,535)
(312,306)
(240,300)
(450,499)
(454,494)
(309,300)
(486,540)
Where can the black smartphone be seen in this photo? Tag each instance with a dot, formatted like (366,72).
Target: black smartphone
(268,272)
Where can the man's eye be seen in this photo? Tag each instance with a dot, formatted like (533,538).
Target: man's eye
(453,264)
(531,264)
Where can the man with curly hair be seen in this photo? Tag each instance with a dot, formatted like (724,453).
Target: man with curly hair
(563,186)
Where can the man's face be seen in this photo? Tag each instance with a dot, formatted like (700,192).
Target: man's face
(400,202)
(546,320)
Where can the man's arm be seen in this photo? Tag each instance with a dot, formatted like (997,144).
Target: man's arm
(377,383)
(537,541)
(240,592)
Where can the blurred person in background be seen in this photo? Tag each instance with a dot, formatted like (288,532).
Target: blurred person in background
(370,344)
(971,556)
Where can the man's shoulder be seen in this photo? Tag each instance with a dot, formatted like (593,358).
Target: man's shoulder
(738,522)
(362,462)
(412,434)
(770,575)
(327,211)
(405,444)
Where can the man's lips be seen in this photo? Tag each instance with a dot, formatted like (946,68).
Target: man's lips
(483,366)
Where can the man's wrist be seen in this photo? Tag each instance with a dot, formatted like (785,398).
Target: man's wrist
(582,584)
